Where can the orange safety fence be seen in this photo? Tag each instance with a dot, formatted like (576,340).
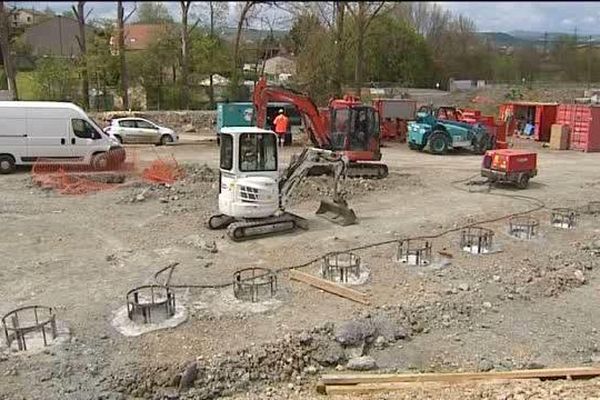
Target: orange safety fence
(71,178)
(163,171)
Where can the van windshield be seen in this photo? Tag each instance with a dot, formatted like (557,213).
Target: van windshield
(96,125)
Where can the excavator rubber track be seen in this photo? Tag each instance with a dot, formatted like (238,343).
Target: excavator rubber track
(220,221)
(250,229)
(355,171)
(367,171)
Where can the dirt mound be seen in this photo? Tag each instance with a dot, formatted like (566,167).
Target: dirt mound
(318,187)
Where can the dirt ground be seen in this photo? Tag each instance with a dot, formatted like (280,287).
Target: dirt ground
(526,304)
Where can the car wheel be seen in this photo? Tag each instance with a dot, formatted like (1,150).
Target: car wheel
(438,143)
(100,162)
(7,164)
(165,140)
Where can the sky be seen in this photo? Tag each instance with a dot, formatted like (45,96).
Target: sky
(488,16)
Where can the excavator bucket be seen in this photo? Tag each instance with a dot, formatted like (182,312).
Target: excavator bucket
(338,213)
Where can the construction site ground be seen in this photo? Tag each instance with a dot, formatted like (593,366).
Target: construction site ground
(528,304)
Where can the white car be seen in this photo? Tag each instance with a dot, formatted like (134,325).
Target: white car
(140,130)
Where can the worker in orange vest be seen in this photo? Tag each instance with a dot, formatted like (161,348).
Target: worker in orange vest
(282,124)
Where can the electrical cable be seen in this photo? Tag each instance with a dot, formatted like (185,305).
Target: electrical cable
(538,205)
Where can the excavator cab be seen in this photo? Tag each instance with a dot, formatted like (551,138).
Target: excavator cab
(355,128)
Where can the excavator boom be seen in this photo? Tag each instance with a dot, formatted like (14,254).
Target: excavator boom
(346,127)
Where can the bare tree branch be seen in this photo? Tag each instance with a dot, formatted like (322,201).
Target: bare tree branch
(374,13)
(131,13)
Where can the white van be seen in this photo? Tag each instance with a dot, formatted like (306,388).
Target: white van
(49,131)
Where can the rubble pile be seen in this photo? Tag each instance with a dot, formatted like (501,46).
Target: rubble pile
(294,358)
(318,187)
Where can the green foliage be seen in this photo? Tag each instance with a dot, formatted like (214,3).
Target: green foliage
(54,80)
(103,67)
(153,12)
(27,86)
(315,65)
(514,94)
(396,53)
(302,28)
(69,14)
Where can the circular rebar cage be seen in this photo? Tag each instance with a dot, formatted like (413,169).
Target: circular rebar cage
(592,208)
(414,252)
(340,266)
(32,323)
(476,240)
(563,218)
(150,304)
(523,227)
(254,284)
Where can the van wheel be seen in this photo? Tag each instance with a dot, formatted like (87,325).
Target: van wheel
(100,162)
(165,140)
(7,164)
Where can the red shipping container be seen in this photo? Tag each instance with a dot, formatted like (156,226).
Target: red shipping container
(543,116)
(584,125)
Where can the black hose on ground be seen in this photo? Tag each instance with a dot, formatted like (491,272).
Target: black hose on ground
(538,205)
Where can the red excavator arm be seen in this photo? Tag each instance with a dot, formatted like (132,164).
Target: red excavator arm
(315,123)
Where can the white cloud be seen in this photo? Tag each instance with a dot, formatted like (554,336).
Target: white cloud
(567,21)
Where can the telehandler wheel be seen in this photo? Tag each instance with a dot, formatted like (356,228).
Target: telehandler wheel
(414,146)
(438,143)
(483,145)
(523,181)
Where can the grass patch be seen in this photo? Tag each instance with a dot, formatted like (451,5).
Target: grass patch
(26,86)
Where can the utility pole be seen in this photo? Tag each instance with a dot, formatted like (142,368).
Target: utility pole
(589,62)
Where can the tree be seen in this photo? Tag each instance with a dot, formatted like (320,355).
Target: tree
(395,52)
(152,12)
(79,13)
(216,15)
(362,14)
(53,79)
(244,10)
(185,51)
(5,49)
(121,19)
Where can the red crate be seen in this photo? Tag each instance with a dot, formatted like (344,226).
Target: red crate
(584,125)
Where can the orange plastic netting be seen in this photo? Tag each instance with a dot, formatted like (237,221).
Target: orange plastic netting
(77,179)
(163,171)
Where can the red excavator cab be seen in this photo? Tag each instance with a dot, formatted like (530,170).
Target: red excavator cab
(354,129)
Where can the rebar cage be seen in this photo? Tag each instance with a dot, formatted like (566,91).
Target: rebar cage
(254,284)
(592,208)
(523,227)
(563,218)
(149,302)
(476,240)
(340,266)
(414,252)
(25,322)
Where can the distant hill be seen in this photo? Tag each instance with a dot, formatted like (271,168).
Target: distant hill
(251,34)
(520,38)
(502,39)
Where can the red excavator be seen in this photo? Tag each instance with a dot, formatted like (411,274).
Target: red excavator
(347,127)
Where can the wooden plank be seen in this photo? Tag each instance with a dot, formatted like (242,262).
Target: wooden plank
(367,388)
(355,379)
(330,287)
